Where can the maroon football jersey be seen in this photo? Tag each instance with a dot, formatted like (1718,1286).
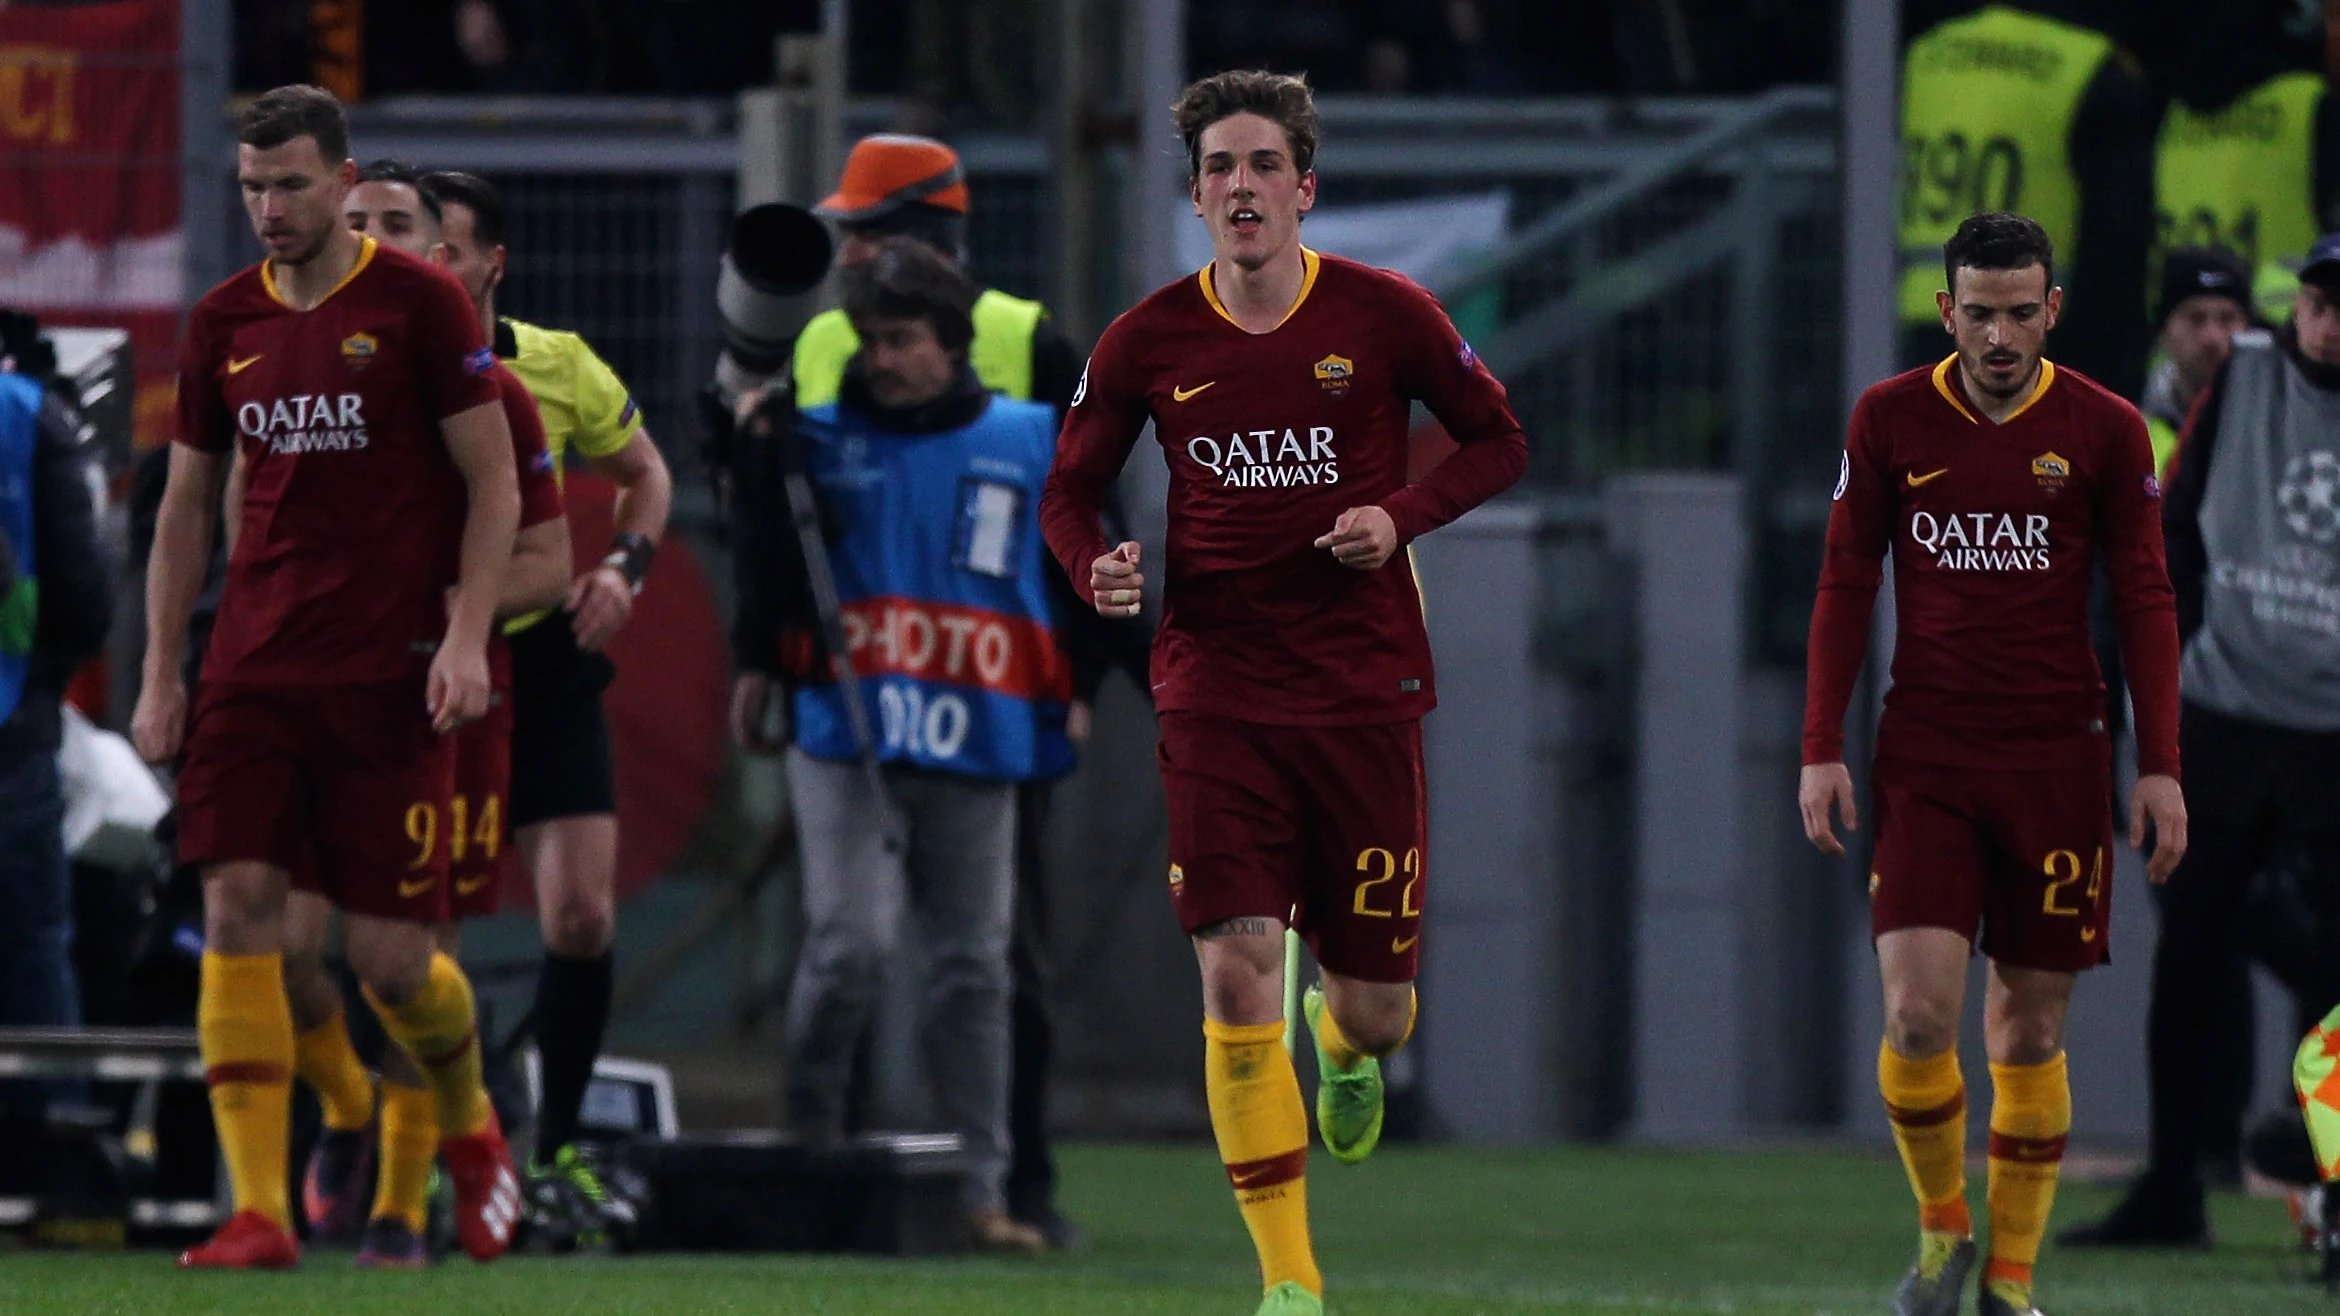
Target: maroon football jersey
(1995,531)
(540,488)
(1269,438)
(353,510)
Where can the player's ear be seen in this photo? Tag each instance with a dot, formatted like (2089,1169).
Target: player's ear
(1944,304)
(2055,306)
(495,277)
(1307,191)
(346,173)
(1194,191)
(438,254)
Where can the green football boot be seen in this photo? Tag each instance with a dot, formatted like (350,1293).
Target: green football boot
(1348,1102)
(1936,1285)
(1289,1299)
(2004,1299)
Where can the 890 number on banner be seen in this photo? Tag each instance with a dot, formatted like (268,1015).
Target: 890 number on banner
(1944,179)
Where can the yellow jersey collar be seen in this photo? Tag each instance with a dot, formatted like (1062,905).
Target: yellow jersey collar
(1948,388)
(1309,263)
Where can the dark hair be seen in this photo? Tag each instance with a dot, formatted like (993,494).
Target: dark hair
(1996,240)
(388,170)
(909,280)
(1280,97)
(277,116)
(470,190)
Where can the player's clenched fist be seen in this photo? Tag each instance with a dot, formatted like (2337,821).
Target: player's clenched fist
(457,693)
(1115,581)
(1826,785)
(1363,538)
(160,721)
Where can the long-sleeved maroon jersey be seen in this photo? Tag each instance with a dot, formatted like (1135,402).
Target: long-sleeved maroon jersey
(1269,438)
(1995,532)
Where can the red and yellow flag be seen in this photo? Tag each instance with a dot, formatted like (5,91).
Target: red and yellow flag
(2316,1073)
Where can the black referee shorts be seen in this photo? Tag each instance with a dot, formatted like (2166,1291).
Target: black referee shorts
(560,741)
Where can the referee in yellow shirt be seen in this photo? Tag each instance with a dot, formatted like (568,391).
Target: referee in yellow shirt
(563,802)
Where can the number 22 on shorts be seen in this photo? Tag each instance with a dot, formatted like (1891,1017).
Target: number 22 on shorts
(1370,905)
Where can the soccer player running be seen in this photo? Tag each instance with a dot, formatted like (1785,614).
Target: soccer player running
(1291,669)
(390,205)
(564,785)
(378,523)
(1996,480)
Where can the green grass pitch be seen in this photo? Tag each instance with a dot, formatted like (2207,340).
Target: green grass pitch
(1409,1233)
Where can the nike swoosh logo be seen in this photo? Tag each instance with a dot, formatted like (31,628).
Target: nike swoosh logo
(1400,945)
(409,890)
(2087,934)
(1916,479)
(1251,1180)
(1182,394)
(238,367)
(465,888)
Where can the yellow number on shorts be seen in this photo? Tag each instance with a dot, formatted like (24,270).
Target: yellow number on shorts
(1390,865)
(458,834)
(489,834)
(2058,860)
(1366,860)
(422,828)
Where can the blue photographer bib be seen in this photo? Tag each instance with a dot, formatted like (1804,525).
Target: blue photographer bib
(941,573)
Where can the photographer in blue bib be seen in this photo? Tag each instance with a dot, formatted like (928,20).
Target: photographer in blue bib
(55,606)
(904,772)
(896,186)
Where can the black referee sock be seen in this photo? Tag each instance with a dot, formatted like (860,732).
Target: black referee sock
(572,1010)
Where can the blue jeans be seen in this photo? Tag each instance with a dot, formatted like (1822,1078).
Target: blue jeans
(36,897)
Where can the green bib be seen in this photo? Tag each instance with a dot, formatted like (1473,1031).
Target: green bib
(1001,352)
(1986,119)
(2243,178)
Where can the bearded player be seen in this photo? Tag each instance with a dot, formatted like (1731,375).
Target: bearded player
(390,205)
(1997,481)
(1291,668)
(377,524)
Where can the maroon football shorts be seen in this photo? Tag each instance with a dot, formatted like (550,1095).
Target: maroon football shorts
(345,787)
(2024,856)
(479,831)
(1321,827)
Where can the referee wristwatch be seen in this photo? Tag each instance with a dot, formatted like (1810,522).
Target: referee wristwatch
(630,554)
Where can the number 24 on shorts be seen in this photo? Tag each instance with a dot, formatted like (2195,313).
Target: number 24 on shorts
(2063,869)
(422,829)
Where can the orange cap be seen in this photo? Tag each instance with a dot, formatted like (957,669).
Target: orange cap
(894,169)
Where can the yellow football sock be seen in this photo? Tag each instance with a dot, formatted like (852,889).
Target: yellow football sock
(439,1029)
(2031,1119)
(1263,1138)
(410,1140)
(326,1061)
(243,1023)
(1345,1054)
(1926,1100)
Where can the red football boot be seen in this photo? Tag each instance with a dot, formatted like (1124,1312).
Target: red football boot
(248,1241)
(487,1192)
